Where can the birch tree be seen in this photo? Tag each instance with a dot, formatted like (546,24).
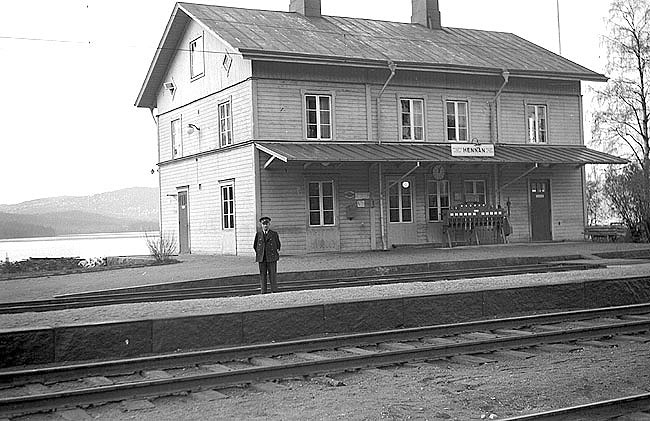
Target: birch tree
(622,115)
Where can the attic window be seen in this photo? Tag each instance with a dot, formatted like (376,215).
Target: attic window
(171,87)
(196,58)
(227,62)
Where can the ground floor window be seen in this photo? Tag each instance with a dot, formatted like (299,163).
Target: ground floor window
(321,203)
(228,206)
(475,191)
(437,199)
(400,202)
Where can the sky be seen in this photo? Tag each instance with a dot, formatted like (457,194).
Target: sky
(70,71)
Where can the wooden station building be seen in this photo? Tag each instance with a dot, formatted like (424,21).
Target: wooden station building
(356,134)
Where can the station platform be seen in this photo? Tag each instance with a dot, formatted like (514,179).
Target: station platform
(131,330)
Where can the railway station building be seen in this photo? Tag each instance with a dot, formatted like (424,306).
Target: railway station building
(356,134)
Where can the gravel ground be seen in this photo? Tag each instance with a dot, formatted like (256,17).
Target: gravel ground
(443,390)
(300,298)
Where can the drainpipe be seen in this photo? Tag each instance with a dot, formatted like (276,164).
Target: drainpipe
(382,196)
(494,132)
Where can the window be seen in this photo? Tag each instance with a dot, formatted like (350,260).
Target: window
(177,139)
(400,204)
(196,57)
(319,116)
(321,203)
(536,123)
(457,121)
(438,199)
(412,121)
(225,124)
(475,191)
(228,206)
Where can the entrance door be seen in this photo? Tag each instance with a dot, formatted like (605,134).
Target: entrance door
(228,233)
(183,223)
(401,216)
(540,210)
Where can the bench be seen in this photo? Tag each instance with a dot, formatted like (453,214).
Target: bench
(603,233)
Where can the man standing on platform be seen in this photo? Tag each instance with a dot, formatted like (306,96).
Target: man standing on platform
(267,248)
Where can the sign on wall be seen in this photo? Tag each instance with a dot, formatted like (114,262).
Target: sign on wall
(469,149)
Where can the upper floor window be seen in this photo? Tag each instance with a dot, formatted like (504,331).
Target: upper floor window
(196,57)
(475,191)
(400,202)
(225,124)
(457,121)
(321,203)
(177,138)
(319,116)
(537,130)
(412,121)
(438,199)
(228,206)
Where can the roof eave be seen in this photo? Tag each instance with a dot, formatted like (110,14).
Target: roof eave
(287,57)
(141,101)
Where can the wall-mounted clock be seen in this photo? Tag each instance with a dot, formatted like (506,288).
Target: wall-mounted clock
(438,172)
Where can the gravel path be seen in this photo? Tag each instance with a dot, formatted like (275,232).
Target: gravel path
(301,298)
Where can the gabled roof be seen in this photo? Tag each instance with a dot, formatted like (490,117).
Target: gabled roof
(504,153)
(288,36)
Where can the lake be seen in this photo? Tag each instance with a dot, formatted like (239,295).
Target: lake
(82,245)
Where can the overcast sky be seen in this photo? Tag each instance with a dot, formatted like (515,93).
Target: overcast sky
(71,70)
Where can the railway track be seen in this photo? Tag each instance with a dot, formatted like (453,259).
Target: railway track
(110,297)
(637,407)
(108,381)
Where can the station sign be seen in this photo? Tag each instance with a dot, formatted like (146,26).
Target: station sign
(470,149)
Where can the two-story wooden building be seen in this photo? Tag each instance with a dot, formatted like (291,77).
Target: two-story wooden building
(357,134)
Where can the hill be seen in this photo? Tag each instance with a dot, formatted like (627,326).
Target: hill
(132,209)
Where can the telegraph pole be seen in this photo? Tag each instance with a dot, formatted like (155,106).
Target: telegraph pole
(559,38)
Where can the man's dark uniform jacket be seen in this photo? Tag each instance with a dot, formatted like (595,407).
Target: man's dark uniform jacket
(268,248)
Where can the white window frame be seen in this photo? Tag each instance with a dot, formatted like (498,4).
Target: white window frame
(411,117)
(438,195)
(319,124)
(176,129)
(457,127)
(321,203)
(533,126)
(227,206)
(225,123)
(197,59)
(400,201)
(474,190)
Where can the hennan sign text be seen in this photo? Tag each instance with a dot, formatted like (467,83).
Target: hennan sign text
(469,149)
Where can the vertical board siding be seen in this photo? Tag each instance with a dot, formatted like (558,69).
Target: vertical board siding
(281,114)
(205,114)
(205,201)
(567,203)
(563,113)
(517,193)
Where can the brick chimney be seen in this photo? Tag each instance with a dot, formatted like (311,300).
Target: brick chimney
(426,13)
(305,7)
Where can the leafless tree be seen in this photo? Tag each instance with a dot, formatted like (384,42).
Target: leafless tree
(621,120)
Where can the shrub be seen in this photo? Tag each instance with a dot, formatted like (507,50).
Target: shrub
(161,247)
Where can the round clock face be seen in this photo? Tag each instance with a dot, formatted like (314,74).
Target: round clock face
(438,172)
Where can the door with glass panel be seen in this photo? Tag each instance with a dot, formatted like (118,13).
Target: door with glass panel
(228,227)
(400,218)
(323,232)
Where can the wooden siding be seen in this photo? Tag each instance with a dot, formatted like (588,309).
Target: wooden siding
(567,203)
(280,113)
(215,76)
(563,113)
(204,114)
(203,176)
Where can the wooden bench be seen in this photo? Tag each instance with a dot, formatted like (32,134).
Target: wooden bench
(604,233)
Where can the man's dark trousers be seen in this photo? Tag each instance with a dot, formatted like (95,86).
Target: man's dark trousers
(270,268)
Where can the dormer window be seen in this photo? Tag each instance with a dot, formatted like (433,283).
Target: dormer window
(197,67)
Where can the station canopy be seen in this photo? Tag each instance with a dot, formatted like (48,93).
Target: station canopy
(431,152)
